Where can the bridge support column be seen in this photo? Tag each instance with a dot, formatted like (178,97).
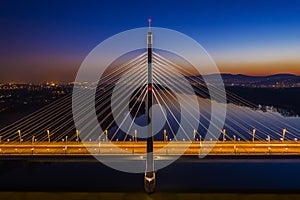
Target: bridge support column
(149,182)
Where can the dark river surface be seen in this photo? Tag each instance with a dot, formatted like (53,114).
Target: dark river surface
(188,174)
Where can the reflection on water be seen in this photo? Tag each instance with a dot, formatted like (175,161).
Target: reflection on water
(243,120)
(284,112)
(239,124)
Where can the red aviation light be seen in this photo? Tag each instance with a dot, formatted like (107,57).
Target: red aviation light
(149,88)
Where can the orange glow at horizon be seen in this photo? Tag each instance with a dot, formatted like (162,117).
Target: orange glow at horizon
(260,68)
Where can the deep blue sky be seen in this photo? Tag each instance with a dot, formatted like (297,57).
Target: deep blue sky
(40,37)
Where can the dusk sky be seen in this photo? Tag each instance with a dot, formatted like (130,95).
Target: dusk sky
(48,40)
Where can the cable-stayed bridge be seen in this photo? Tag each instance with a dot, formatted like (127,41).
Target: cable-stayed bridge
(51,130)
(54,123)
(148,107)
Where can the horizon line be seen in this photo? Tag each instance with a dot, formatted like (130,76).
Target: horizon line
(71,82)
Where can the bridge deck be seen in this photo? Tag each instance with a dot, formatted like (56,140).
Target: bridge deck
(139,148)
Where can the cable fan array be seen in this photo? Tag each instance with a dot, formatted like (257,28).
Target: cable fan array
(55,123)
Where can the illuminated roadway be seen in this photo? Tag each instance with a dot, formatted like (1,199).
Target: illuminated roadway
(15,149)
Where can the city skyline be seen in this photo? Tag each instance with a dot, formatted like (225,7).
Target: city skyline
(48,41)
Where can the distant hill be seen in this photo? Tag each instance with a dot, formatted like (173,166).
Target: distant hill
(281,91)
(276,80)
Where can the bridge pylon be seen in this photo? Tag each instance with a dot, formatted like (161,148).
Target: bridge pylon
(149,177)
